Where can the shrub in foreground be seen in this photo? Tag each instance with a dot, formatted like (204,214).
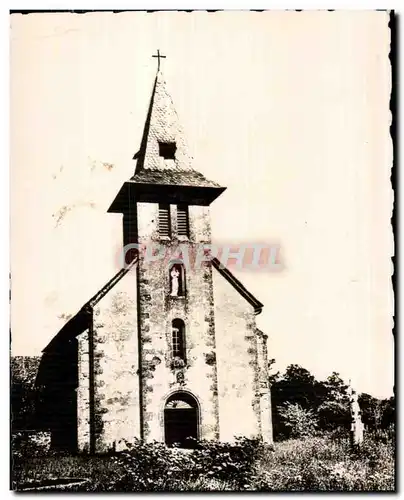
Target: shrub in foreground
(154,467)
(297,421)
(324,464)
(320,463)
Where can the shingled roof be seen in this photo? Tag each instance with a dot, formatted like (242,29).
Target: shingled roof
(173,177)
(163,126)
(157,176)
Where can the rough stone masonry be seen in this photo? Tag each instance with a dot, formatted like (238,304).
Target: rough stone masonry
(147,357)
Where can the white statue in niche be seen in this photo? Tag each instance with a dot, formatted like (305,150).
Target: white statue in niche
(176,281)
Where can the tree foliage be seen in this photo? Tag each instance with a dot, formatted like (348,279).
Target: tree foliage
(23,394)
(297,395)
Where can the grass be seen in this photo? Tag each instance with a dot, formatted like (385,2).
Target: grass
(311,464)
(37,469)
(323,464)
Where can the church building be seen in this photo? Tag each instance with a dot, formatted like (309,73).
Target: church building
(166,350)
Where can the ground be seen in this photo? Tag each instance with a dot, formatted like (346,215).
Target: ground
(311,464)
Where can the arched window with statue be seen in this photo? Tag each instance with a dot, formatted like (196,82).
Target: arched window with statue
(177,279)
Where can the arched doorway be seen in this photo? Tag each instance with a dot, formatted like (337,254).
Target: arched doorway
(181,416)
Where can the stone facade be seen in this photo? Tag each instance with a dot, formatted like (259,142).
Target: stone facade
(131,383)
(241,364)
(225,368)
(116,367)
(157,310)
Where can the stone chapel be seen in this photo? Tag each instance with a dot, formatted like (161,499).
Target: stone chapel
(163,351)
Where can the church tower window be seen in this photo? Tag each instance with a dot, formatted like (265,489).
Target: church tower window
(167,150)
(182,220)
(177,280)
(178,339)
(164,220)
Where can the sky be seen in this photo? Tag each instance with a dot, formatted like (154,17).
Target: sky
(288,110)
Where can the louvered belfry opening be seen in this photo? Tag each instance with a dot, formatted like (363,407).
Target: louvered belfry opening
(182,220)
(164,220)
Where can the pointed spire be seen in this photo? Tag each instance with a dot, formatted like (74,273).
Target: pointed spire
(162,127)
(163,162)
(163,156)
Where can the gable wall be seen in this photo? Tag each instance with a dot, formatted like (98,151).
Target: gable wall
(237,362)
(116,366)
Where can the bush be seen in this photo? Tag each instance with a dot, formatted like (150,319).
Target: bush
(25,445)
(30,443)
(297,421)
(154,467)
(23,394)
(319,463)
(146,467)
(228,462)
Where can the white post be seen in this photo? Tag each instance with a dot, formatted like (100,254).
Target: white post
(356,421)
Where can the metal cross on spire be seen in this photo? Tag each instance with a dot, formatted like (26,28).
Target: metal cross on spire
(159,56)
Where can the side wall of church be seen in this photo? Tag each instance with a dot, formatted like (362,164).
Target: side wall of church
(157,311)
(237,363)
(83,393)
(264,388)
(116,380)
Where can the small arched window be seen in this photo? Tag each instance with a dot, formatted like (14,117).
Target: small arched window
(178,339)
(177,280)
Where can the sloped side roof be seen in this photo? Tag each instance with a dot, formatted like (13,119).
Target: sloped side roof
(242,290)
(81,321)
(260,333)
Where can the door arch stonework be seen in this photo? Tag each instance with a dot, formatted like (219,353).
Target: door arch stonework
(181,417)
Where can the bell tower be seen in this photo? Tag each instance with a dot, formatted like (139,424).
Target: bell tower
(165,207)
